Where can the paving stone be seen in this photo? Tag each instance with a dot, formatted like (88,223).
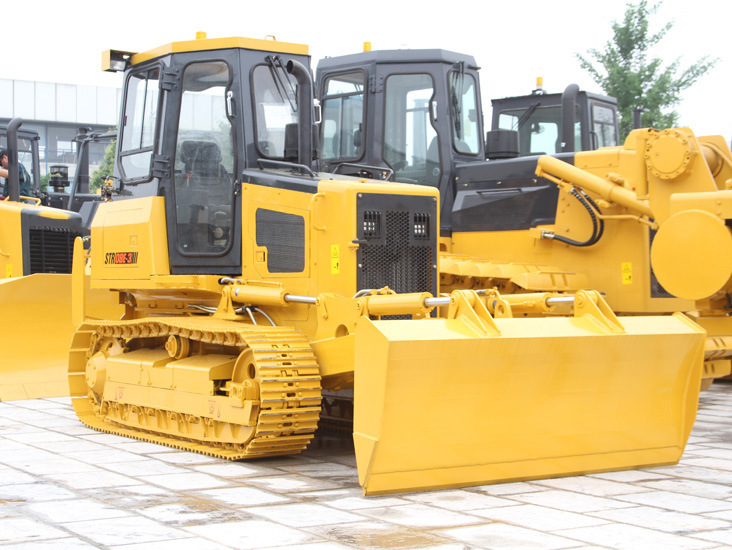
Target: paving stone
(691,487)
(70,446)
(723,536)
(419,515)
(75,510)
(55,465)
(570,501)
(677,502)
(710,462)
(228,469)
(101,478)
(10,456)
(590,486)
(360,502)
(243,496)
(192,512)
(11,476)
(379,535)
(128,530)
(498,536)
(459,500)
(517,488)
(662,520)
(17,530)
(184,481)
(631,476)
(538,518)
(700,473)
(251,534)
(144,467)
(191,543)
(327,546)
(304,515)
(289,483)
(183,457)
(52,544)
(628,537)
(34,492)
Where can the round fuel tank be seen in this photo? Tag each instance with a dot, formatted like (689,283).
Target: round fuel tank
(691,254)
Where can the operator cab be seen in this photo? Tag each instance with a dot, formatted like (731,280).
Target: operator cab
(538,119)
(195,115)
(28,141)
(409,115)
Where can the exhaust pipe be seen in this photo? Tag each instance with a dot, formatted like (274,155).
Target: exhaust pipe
(305,111)
(13,175)
(569,99)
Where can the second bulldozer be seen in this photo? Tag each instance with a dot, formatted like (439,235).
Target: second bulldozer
(415,116)
(252,283)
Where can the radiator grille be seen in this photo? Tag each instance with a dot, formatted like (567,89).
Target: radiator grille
(396,249)
(51,249)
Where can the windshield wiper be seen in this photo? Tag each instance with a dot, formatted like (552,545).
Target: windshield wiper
(527,115)
(282,81)
(457,80)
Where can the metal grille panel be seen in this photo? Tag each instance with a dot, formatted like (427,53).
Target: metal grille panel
(400,253)
(284,237)
(51,249)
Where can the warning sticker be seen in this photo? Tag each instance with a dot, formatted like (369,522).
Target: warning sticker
(8,270)
(335,259)
(627,273)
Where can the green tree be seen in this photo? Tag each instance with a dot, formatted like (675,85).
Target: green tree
(105,168)
(628,72)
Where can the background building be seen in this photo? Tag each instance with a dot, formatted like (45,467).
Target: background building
(56,111)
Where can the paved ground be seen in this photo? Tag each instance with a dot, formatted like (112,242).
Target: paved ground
(63,486)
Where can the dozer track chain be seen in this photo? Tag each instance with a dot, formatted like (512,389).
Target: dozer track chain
(287,406)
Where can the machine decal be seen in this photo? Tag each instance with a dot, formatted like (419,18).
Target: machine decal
(335,259)
(120,258)
(627,271)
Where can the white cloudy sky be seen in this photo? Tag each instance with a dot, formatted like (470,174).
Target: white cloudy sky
(513,41)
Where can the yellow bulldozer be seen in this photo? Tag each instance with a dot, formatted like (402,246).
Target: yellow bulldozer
(658,208)
(415,116)
(36,250)
(253,282)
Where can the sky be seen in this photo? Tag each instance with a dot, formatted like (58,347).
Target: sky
(513,42)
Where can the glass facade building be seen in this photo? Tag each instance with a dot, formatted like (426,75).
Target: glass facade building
(56,111)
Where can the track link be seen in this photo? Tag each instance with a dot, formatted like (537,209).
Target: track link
(279,420)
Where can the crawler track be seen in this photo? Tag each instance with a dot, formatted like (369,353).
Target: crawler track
(269,405)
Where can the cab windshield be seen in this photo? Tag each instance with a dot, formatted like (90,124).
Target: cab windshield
(539,129)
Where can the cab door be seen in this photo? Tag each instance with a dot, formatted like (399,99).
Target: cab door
(201,137)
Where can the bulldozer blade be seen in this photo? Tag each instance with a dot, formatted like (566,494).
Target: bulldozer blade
(438,404)
(35,333)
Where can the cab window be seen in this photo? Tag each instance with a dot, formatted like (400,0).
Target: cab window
(139,124)
(411,145)
(204,161)
(539,129)
(342,106)
(603,125)
(275,104)
(464,109)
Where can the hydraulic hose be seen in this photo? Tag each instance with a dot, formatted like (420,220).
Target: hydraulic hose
(598,226)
